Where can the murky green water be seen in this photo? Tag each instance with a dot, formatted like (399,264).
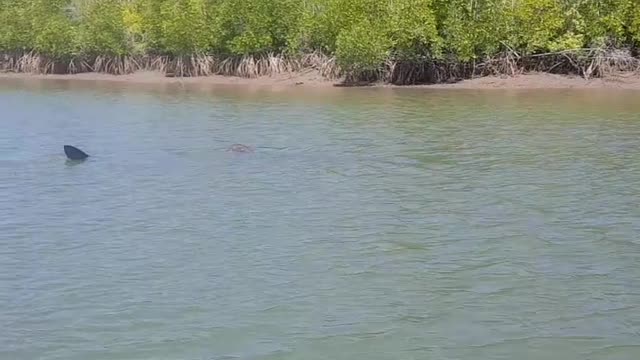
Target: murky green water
(369,224)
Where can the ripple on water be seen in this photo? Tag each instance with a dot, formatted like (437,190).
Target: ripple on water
(376,224)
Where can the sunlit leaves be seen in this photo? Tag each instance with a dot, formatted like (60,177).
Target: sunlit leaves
(362,34)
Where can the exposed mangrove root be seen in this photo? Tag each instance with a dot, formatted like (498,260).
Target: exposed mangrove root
(251,66)
(116,65)
(588,63)
(326,65)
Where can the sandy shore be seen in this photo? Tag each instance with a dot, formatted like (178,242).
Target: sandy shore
(313,79)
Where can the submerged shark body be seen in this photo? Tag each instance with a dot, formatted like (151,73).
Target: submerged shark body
(240,148)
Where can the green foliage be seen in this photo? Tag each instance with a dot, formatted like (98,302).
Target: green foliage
(255,26)
(243,27)
(54,34)
(315,30)
(133,23)
(567,41)
(456,28)
(150,23)
(473,29)
(634,24)
(362,34)
(413,28)
(184,26)
(599,21)
(535,24)
(362,47)
(15,34)
(102,30)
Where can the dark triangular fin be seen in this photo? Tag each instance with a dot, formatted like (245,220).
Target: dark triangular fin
(73,153)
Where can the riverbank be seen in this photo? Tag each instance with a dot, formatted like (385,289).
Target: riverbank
(628,80)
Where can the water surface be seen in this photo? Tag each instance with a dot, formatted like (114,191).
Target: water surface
(369,223)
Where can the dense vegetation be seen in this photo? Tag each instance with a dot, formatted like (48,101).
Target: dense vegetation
(401,41)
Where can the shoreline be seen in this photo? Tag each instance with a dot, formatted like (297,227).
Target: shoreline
(311,79)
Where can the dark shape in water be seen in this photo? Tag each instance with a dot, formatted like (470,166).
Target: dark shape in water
(73,153)
(240,148)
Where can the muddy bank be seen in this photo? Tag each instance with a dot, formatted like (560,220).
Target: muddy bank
(308,78)
(548,81)
(313,79)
